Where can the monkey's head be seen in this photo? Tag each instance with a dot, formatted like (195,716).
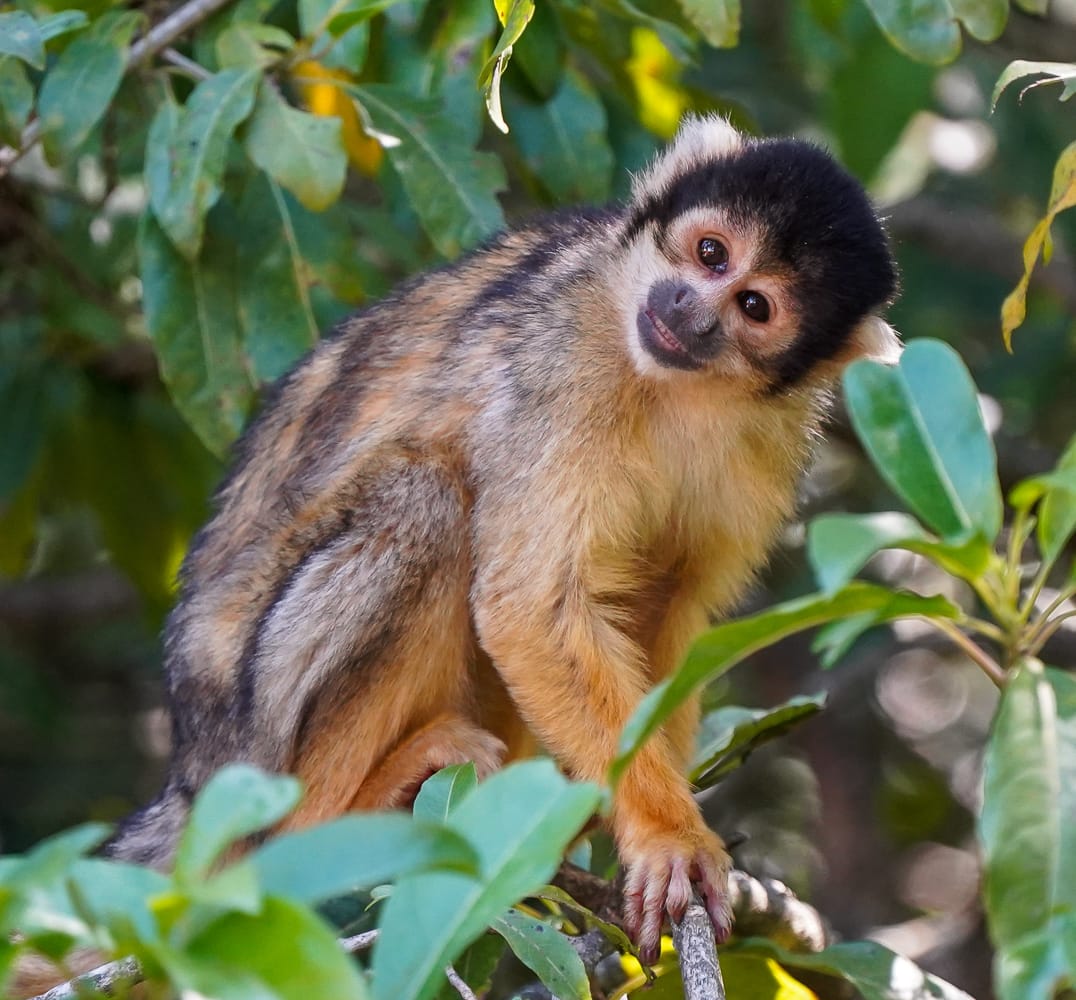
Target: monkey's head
(757,260)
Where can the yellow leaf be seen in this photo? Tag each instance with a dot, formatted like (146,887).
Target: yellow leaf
(322,97)
(656,77)
(1062,196)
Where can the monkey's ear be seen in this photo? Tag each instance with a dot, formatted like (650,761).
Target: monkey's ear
(701,138)
(875,340)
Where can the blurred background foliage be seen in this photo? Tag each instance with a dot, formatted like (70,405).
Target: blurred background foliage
(184,230)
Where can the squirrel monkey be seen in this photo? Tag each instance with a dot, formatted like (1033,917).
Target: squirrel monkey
(496,507)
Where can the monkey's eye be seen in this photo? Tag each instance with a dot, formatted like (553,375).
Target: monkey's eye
(713,254)
(754,306)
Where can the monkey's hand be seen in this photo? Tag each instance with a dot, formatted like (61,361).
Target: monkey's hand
(662,865)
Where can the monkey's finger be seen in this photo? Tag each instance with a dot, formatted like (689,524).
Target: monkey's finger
(679,892)
(655,893)
(713,885)
(632,902)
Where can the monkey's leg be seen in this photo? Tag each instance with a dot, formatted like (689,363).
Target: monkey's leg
(577,678)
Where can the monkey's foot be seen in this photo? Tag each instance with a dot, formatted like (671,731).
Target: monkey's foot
(660,880)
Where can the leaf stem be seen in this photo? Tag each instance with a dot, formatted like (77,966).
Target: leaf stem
(980,657)
(1047,631)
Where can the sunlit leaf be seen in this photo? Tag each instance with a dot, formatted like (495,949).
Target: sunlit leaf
(356,852)
(188,183)
(451,186)
(722,647)
(1028,831)
(717,20)
(302,152)
(78,89)
(1063,73)
(839,545)
(192,317)
(729,735)
(920,422)
(1062,196)
(546,952)
(874,970)
(238,800)
(519,820)
(515,20)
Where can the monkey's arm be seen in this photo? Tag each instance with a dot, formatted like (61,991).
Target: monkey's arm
(576,677)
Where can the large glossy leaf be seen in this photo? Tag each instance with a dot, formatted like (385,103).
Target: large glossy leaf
(877,972)
(520,820)
(275,312)
(564,141)
(238,800)
(451,186)
(546,952)
(356,852)
(290,953)
(80,86)
(188,151)
(1028,831)
(839,545)
(191,316)
(920,423)
(927,30)
(302,152)
(20,37)
(722,647)
(728,735)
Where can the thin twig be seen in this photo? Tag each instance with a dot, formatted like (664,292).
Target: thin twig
(1048,631)
(458,984)
(359,942)
(152,42)
(192,69)
(983,660)
(699,968)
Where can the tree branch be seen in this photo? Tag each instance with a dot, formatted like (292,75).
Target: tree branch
(152,42)
(699,967)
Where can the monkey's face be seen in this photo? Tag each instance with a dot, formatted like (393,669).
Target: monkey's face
(710,299)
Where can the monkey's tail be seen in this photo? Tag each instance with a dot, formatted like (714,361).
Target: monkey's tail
(147,837)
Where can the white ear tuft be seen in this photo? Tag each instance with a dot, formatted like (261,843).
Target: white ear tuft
(876,340)
(701,138)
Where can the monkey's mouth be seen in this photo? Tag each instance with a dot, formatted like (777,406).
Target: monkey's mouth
(661,343)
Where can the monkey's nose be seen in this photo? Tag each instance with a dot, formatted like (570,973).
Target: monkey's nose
(671,298)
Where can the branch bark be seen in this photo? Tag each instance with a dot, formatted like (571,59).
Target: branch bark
(699,967)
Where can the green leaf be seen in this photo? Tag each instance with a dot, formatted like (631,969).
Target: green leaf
(515,21)
(285,949)
(20,37)
(197,140)
(191,316)
(1057,512)
(718,21)
(78,89)
(721,648)
(925,30)
(1028,832)
(303,152)
(832,641)
(920,423)
(443,791)
(546,952)
(248,43)
(1063,73)
(877,972)
(564,141)
(476,966)
(614,934)
(983,19)
(450,185)
(275,312)
(16,100)
(839,545)
(356,852)
(238,800)
(117,896)
(519,821)
(61,23)
(733,732)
